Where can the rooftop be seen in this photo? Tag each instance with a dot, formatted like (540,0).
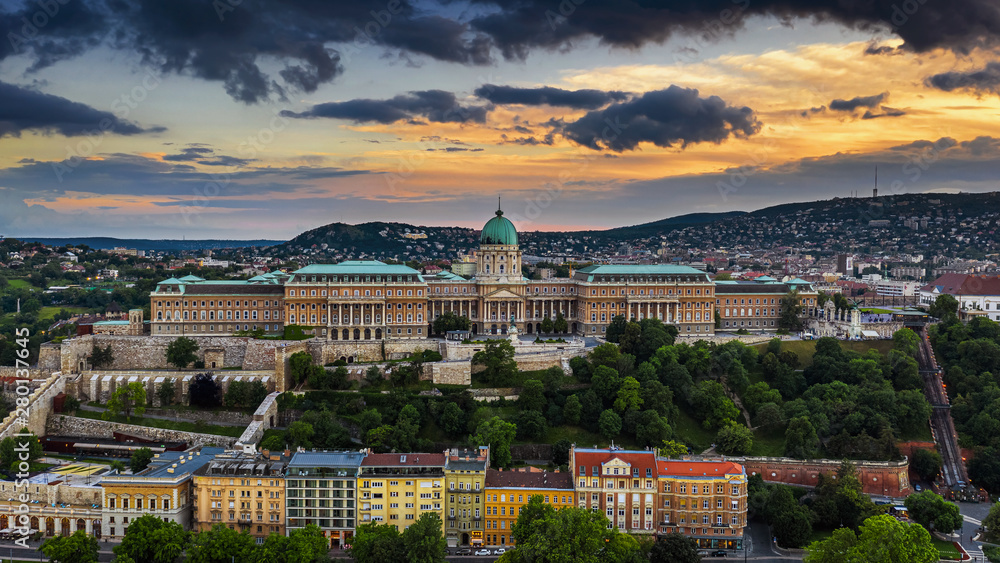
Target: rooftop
(404,460)
(357,267)
(684,468)
(326,459)
(529,479)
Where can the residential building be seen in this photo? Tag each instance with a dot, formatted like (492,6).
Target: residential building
(509,490)
(908,272)
(397,488)
(243,491)
(704,500)
(465,481)
(164,489)
(975,293)
(893,288)
(321,489)
(619,483)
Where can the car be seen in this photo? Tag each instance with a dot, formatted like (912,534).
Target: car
(719,553)
(464,551)
(499,551)
(483,552)
(917,488)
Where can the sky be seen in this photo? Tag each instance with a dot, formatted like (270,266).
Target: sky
(242,119)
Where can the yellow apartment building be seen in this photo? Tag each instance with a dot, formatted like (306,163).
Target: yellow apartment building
(705,500)
(508,491)
(397,488)
(465,481)
(246,492)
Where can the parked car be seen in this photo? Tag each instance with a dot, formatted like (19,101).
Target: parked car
(719,553)
(464,551)
(499,551)
(483,552)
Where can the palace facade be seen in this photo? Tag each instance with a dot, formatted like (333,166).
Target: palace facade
(371,300)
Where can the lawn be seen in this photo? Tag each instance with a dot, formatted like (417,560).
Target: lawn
(947,549)
(805,349)
(692,433)
(232,431)
(769,444)
(921,435)
(576,435)
(50,312)
(19,283)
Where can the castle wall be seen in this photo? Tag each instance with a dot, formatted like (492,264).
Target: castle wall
(884,478)
(73,426)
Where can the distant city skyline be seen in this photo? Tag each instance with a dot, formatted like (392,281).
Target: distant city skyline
(252,119)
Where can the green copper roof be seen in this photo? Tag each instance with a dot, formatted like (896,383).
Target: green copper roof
(637,269)
(499,230)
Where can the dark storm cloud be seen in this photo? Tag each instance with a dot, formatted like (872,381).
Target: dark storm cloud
(859,102)
(986,80)
(666,118)
(117,174)
(434,105)
(522,25)
(886,112)
(22,109)
(578,99)
(873,48)
(314,40)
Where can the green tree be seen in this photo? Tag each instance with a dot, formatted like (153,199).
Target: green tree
(205,391)
(301,433)
(560,452)
(300,365)
(497,361)
(373,375)
(76,548)
(569,535)
(220,545)
(581,368)
(883,539)
(498,435)
(992,524)
(150,539)
(801,441)
(532,396)
(606,354)
(547,325)
(424,541)
(610,424)
(606,382)
(452,419)
(628,396)
(377,543)
(674,548)
(709,398)
(906,341)
(181,352)
(652,429)
(926,463)
(450,321)
(140,459)
(560,325)
(734,439)
(236,395)
(571,410)
(943,306)
(127,399)
(933,512)
(616,328)
(166,392)
(101,357)
(791,311)
(672,450)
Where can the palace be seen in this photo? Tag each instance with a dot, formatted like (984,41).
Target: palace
(371,300)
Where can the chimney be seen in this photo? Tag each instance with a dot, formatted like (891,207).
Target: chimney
(288,452)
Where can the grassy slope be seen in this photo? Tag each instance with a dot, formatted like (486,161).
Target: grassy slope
(805,349)
(232,431)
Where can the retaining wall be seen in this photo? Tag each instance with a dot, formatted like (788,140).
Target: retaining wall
(64,425)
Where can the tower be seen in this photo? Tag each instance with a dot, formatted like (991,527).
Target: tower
(499,254)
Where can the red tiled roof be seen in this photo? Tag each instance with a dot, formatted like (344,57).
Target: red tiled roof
(403,460)
(529,479)
(679,468)
(635,459)
(965,284)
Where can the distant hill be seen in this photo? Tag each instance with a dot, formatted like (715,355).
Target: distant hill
(106,243)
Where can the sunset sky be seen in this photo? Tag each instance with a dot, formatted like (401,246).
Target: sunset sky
(265,118)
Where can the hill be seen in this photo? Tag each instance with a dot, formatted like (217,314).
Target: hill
(107,243)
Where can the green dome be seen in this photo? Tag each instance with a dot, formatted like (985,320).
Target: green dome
(499,230)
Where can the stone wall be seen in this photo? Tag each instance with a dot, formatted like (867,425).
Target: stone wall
(49,357)
(884,478)
(99,385)
(56,493)
(38,409)
(10,372)
(150,352)
(458,351)
(63,425)
(225,418)
(451,373)
(265,417)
